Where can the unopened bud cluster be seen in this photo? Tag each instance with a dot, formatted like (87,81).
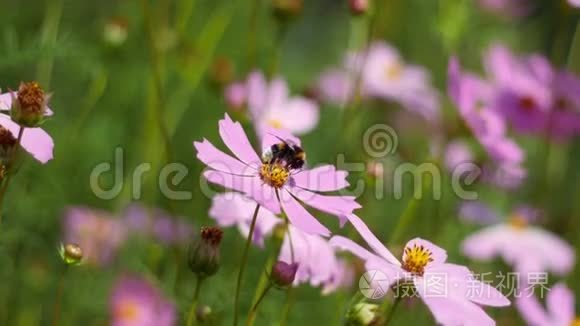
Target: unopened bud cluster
(29,105)
(71,254)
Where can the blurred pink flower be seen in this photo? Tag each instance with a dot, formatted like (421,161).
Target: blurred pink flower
(444,287)
(97,233)
(565,110)
(156,223)
(232,208)
(471,95)
(235,95)
(574,3)
(529,249)
(559,310)
(35,141)
(271,106)
(335,86)
(521,90)
(135,302)
(456,153)
(316,259)
(274,184)
(507,8)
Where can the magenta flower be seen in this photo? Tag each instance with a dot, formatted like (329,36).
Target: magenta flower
(272,181)
(135,302)
(35,141)
(529,249)
(232,208)
(472,95)
(565,110)
(271,106)
(559,310)
(521,89)
(450,291)
(97,233)
(317,262)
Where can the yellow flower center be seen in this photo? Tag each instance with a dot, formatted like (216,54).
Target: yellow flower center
(393,71)
(576,322)
(274,123)
(274,174)
(518,222)
(416,258)
(128,311)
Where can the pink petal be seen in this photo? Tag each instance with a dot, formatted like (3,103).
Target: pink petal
(257,93)
(342,243)
(322,178)
(300,217)
(438,254)
(462,284)
(532,310)
(456,312)
(6,103)
(218,160)
(277,92)
(236,140)
(34,140)
(339,206)
(371,239)
(251,186)
(560,303)
(487,243)
(297,115)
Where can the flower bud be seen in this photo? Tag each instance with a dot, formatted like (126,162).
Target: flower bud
(7,143)
(283,274)
(29,105)
(363,314)
(115,32)
(287,9)
(203,313)
(358,7)
(204,253)
(71,254)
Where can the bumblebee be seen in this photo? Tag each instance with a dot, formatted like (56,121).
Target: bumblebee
(290,155)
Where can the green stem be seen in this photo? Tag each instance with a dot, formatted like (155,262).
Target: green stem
(49,35)
(191,315)
(157,75)
(243,264)
(254,310)
(277,53)
(58,302)
(391,313)
(290,296)
(9,171)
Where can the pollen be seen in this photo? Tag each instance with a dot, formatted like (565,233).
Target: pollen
(275,123)
(31,97)
(128,311)
(576,322)
(7,139)
(393,71)
(518,222)
(275,174)
(416,258)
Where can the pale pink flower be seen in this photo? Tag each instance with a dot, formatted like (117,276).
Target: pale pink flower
(528,248)
(235,95)
(559,309)
(97,233)
(136,302)
(271,106)
(232,208)
(275,185)
(446,289)
(35,141)
(156,223)
(335,86)
(317,262)
(574,3)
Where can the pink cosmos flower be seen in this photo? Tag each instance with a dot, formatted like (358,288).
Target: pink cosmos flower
(97,233)
(521,88)
(335,86)
(35,141)
(271,106)
(574,3)
(135,302)
(450,291)
(559,310)
(235,95)
(232,208)
(272,181)
(317,261)
(456,153)
(471,96)
(529,249)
